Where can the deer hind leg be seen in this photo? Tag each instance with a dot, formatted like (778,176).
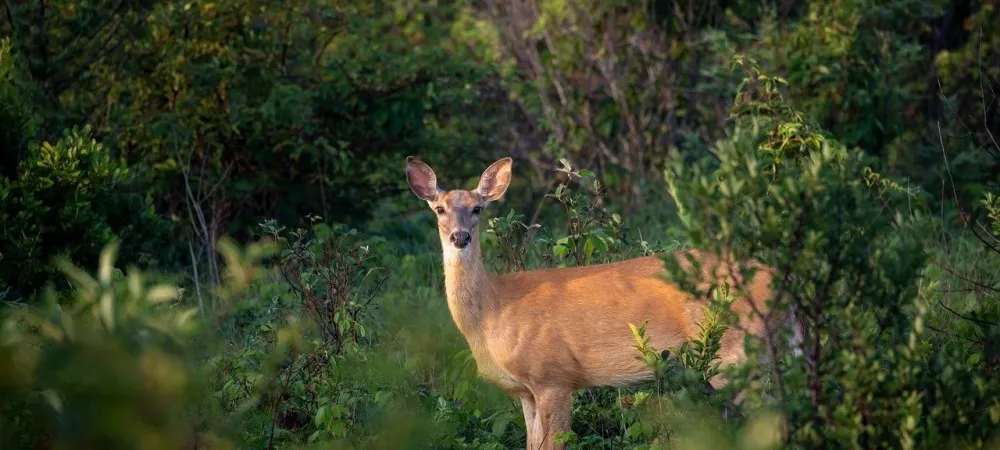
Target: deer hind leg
(555,415)
(731,352)
(530,409)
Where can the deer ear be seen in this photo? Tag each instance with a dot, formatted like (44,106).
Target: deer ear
(421,179)
(495,180)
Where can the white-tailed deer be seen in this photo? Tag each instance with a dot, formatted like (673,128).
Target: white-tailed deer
(542,334)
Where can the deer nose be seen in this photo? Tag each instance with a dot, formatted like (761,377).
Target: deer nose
(460,238)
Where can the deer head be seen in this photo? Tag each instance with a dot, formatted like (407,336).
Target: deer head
(458,210)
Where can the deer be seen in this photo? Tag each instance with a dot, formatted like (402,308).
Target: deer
(541,334)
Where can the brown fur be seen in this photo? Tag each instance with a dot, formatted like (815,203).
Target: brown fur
(542,334)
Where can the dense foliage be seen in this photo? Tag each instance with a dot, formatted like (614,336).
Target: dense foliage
(206,239)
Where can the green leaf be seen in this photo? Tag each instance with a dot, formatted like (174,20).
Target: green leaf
(322,416)
(500,425)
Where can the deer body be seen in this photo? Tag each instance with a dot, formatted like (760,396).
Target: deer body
(542,334)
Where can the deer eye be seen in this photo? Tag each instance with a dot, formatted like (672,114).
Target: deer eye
(477,209)
(439,210)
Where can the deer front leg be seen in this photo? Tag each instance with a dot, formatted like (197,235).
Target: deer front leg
(530,408)
(555,415)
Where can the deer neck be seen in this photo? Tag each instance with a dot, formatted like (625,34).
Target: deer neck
(471,289)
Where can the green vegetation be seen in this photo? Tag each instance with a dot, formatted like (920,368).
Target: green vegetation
(206,238)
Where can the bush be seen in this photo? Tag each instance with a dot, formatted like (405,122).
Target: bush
(294,339)
(108,369)
(334,276)
(848,269)
(68,200)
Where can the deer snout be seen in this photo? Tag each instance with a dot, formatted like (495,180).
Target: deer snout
(460,239)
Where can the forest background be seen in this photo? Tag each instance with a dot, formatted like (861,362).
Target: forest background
(207,241)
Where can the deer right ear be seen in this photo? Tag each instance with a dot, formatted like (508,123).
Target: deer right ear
(421,179)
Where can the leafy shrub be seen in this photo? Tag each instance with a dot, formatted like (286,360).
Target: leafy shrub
(108,369)
(334,275)
(849,271)
(69,199)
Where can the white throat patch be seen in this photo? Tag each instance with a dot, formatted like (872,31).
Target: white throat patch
(454,254)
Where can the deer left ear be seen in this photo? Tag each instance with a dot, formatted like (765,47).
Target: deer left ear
(495,180)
